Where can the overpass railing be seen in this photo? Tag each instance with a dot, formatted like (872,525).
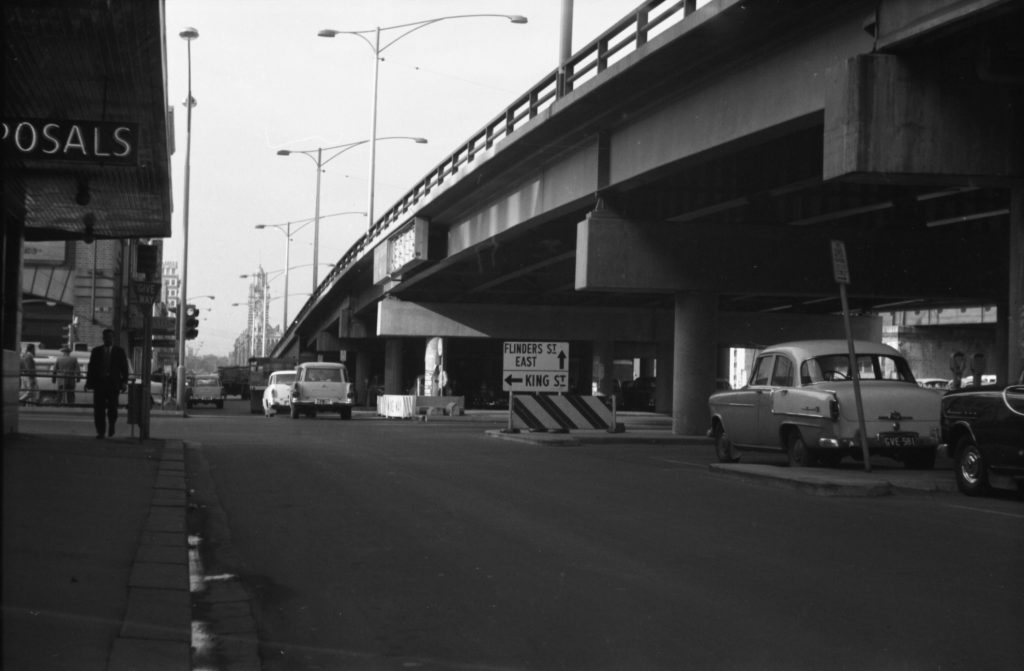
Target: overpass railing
(624,37)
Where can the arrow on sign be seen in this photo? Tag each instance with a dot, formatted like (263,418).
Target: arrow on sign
(509,380)
(561,360)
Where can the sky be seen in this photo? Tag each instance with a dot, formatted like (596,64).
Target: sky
(264,81)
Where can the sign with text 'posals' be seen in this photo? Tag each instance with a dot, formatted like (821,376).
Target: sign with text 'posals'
(103,142)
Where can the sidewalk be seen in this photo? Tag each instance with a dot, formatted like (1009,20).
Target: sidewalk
(95,556)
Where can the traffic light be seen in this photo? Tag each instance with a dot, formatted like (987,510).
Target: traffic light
(191,322)
(69,334)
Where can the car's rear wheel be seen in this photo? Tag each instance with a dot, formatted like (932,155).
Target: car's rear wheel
(293,412)
(311,414)
(723,446)
(830,459)
(797,450)
(971,477)
(346,412)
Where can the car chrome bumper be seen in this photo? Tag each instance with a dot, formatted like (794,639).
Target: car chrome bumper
(874,444)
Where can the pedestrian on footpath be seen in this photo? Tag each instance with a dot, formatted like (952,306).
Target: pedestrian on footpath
(29,386)
(107,376)
(66,373)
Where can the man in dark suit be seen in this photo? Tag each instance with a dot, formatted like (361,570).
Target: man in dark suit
(107,376)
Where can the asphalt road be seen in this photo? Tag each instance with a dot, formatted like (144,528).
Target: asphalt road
(389,544)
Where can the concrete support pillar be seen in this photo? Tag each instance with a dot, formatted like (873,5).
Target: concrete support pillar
(393,366)
(663,388)
(722,366)
(1015,312)
(362,376)
(693,370)
(603,367)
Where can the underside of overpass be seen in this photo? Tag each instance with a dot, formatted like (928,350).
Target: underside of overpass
(694,188)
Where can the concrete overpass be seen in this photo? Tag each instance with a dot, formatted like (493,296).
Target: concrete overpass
(672,189)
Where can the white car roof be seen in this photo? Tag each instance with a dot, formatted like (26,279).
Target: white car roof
(805,349)
(319,364)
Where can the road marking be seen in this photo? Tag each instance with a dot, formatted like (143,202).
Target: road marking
(678,461)
(991,512)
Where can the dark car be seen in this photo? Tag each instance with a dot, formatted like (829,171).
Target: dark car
(984,429)
(638,394)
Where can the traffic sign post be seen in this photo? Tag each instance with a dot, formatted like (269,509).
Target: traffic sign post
(533,365)
(144,294)
(841,272)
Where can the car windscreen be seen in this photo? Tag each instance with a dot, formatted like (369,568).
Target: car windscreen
(833,367)
(323,375)
(207,381)
(284,379)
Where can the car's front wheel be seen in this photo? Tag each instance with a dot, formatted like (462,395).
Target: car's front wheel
(971,477)
(293,412)
(723,446)
(346,412)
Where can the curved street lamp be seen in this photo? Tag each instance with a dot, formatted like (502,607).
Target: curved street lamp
(188,34)
(378,49)
(320,163)
(286,230)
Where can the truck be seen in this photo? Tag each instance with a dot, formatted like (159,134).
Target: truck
(260,368)
(235,380)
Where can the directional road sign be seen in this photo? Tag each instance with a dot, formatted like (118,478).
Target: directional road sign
(535,365)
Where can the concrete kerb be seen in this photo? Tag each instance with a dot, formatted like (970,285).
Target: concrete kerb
(596,437)
(828,482)
(817,481)
(824,484)
(156,632)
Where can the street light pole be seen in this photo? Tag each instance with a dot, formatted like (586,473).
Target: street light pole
(263,331)
(287,231)
(377,51)
(188,35)
(320,163)
(373,127)
(316,217)
(287,263)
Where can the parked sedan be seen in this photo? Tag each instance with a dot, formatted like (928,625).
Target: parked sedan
(800,400)
(278,394)
(984,428)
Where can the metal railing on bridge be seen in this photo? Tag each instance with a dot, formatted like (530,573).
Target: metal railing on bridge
(626,36)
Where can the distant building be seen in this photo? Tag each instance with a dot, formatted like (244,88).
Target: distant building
(259,336)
